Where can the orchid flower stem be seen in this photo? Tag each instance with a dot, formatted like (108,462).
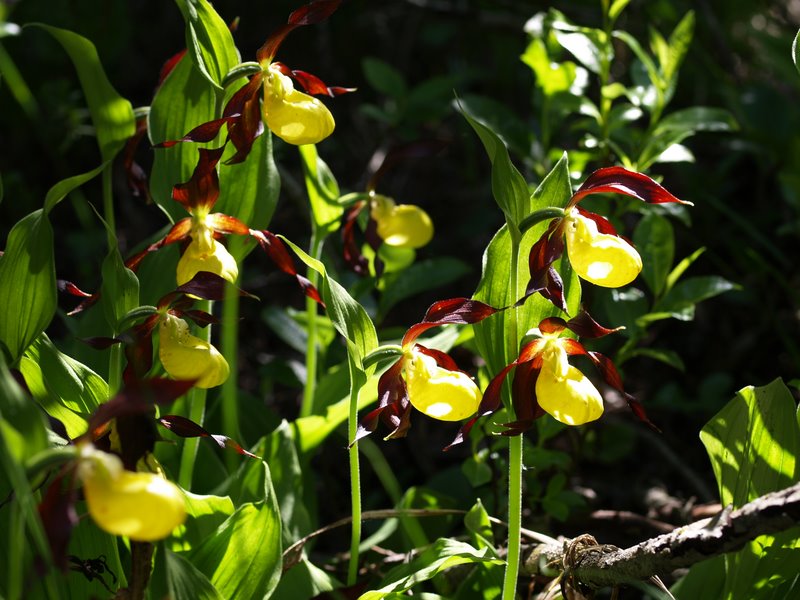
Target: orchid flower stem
(514,442)
(196,401)
(355,483)
(115,354)
(312,345)
(229,346)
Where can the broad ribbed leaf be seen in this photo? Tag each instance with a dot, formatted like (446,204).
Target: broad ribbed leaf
(243,557)
(185,582)
(22,423)
(27,283)
(509,188)
(183,101)
(208,40)
(753,443)
(60,190)
(112,115)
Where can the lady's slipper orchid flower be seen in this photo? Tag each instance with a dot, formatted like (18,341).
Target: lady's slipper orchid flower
(145,507)
(545,382)
(596,251)
(400,225)
(185,356)
(293,115)
(427,379)
(397,225)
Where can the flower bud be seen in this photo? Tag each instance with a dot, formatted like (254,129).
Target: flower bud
(440,393)
(564,392)
(293,116)
(185,356)
(142,506)
(204,253)
(600,258)
(401,225)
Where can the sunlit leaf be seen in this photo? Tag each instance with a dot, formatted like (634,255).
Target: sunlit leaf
(27,283)
(112,114)
(753,443)
(440,556)
(184,581)
(208,40)
(323,191)
(242,558)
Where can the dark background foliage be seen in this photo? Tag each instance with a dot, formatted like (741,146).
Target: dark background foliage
(745,185)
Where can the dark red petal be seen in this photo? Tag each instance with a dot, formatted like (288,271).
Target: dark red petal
(136,175)
(186,428)
(57,512)
(573,347)
(586,327)
(208,286)
(178,233)
(102,343)
(392,400)
(246,125)
(352,253)
(200,317)
(204,132)
(202,189)
(277,252)
(523,393)
(316,87)
(531,350)
(170,64)
(71,288)
(617,180)
(452,311)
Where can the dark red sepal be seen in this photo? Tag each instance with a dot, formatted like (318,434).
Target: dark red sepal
(223,223)
(586,327)
(205,132)
(245,124)
(313,85)
(277,252)
(72,289)
(314,12)
(617,180)
(202,189)
(186,428)
(393,405)
(102,343)
(208,286)
(442,359)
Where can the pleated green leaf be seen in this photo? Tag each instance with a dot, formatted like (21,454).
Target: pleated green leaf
(323,191)
(27,283)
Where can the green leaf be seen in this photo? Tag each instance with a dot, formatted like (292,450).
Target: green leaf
(616,9)
(441,555)
(667,357)
(796,51)
(508,186)
(494,287)
(479,527)
(588,46)
(655,241)
(206,513)
(22,424)
(679,302)
(550,76)
(384,78)
(183,101)
(60,190)
(681,267)
(348,316)
(678,46)
(249,190)
(185,582)
(62,385)
(323,191)
(753,444)
(243,557)
(303,582)
(112,114)
(27,283)
(208,40)
(420,277)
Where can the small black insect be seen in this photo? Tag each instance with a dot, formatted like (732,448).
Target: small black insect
(93,568)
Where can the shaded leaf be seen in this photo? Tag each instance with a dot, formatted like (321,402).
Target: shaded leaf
(323,191)
(655,241)
(184,581)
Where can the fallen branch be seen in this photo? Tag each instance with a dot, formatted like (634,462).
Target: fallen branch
(597,565)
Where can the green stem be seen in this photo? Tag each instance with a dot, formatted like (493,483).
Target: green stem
(196,399)
(514,443)
(229,346)
(115,355)
(355,480)
(312,346)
